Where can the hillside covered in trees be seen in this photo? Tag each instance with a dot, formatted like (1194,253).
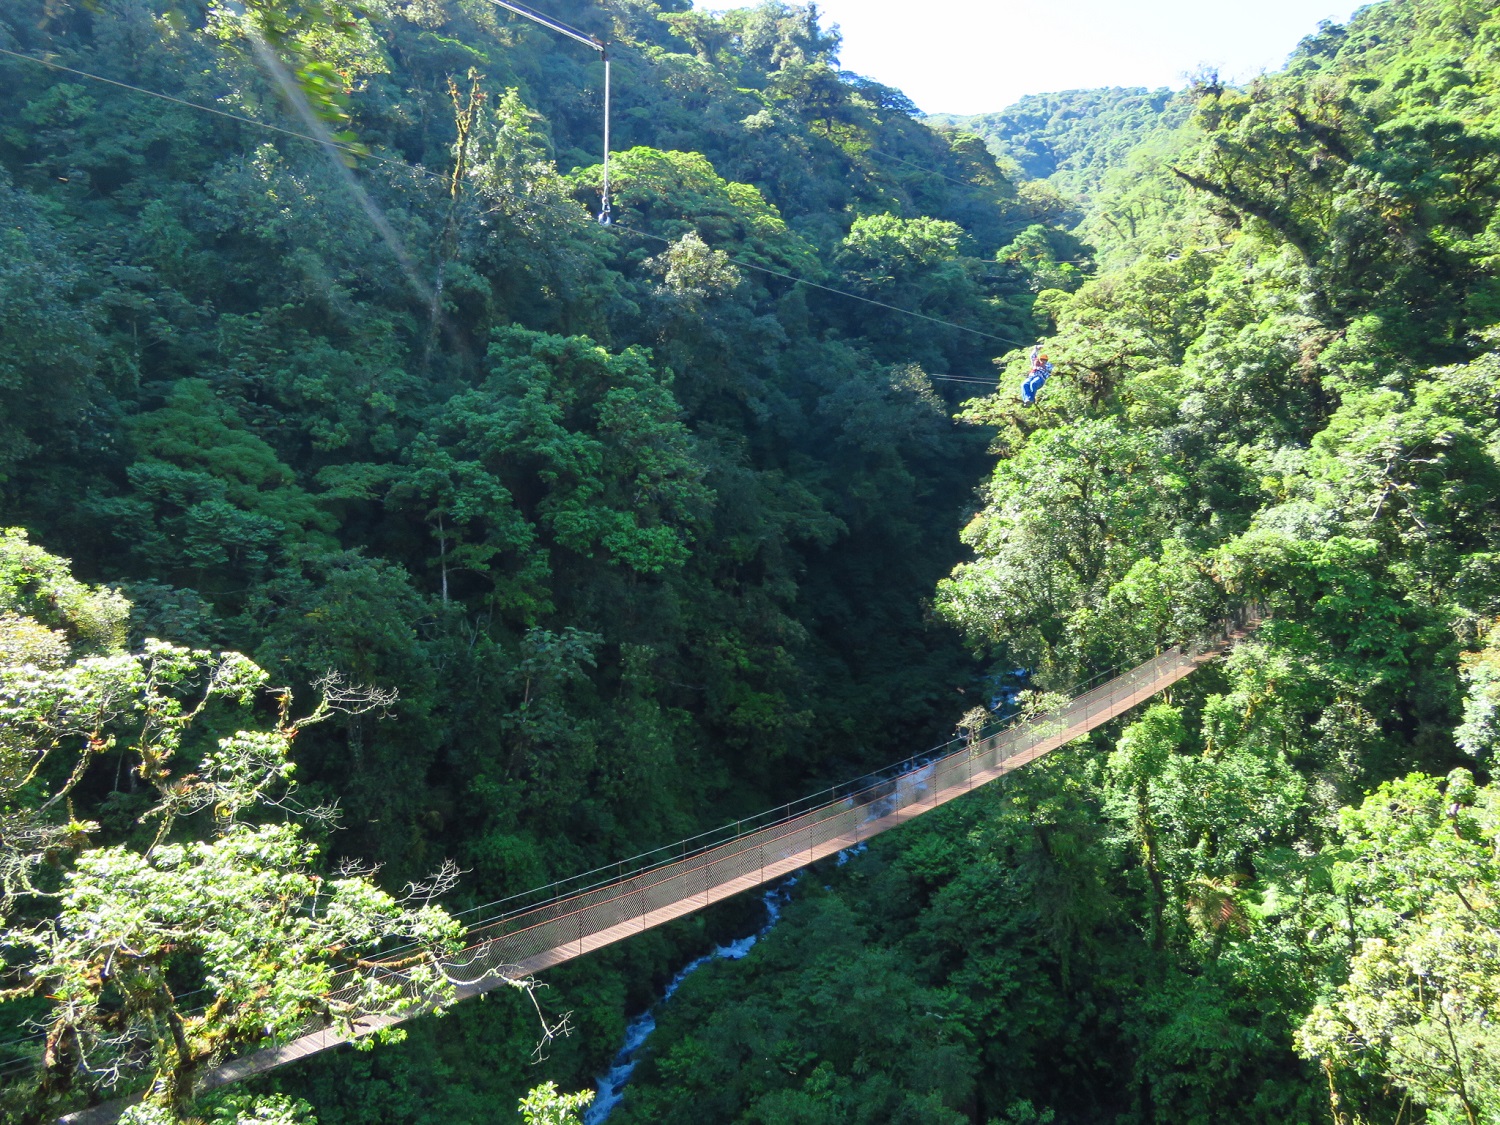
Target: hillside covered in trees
(1272,896)
(391,537)
(1074,138)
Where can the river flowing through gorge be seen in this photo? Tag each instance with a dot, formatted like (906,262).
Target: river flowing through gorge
(611,1085)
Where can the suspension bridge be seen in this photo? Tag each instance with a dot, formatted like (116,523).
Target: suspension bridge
(626,900)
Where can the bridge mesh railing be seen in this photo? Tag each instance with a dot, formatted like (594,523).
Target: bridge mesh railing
(513,947)
(519,944)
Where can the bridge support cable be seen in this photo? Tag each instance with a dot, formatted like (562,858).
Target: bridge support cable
(538,938)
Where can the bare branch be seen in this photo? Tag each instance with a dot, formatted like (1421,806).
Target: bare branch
(424,892)
(338,695)
(550,1031)
(350,868)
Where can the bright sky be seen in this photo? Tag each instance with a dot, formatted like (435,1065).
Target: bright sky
(973,56)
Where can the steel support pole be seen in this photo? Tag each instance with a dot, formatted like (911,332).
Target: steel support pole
(604,215)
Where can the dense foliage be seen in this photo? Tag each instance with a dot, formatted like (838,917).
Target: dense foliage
(639,533)
(107,936)
(648,535)
(1074,138)
(1273,896)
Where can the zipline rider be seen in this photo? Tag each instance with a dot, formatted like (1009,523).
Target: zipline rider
(1036,378)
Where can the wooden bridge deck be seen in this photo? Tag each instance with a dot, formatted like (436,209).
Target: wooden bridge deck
(534,941)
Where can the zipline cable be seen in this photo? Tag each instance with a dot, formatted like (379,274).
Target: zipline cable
(351,150)
(557,25)
(405,166)
(922,168)
(965,379)
(843,293)
(552,23)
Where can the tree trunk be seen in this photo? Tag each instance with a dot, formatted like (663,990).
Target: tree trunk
(1153,867)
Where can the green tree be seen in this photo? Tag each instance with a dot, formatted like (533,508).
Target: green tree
(1417,861)
(1067,517)
(118,937)
(546,1105)
(48,333)
(1479,733)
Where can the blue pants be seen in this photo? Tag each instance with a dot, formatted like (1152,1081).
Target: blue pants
(1033,384)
